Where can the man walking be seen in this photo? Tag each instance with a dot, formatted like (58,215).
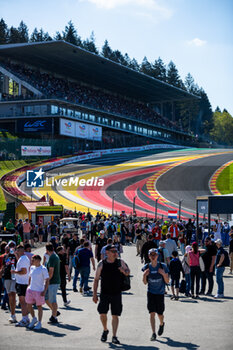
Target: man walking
(155,276)
(53,267)
(110,270)
(85,255)
(22,278)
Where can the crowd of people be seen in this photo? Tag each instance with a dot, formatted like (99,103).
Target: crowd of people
(168,250)
(54,87)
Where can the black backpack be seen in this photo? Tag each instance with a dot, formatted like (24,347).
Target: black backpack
(226,261)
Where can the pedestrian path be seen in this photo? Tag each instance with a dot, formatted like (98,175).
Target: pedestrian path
(189,324)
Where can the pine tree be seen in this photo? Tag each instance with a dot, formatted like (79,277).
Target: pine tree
(23,32)
(70,35)
(146,67)
(14,35)
(134,65)
(106,50)
(218,109)
(173,77)
(89,44)
(159,70)
(3,32)
(58,36)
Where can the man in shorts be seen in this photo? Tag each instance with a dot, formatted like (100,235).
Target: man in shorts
(155,276)
(22,279)
(35,294)
(9,263)
(26,231)
(53,267)
(109,271)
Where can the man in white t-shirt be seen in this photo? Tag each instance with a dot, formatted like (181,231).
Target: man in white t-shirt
(22,278)
(38,285)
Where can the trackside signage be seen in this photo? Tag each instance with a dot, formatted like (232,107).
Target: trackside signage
(36,150)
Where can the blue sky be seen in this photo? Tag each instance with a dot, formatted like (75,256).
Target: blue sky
(196,34)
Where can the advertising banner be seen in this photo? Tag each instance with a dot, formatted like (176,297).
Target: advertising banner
(67,127)
(95,132)
(32,125)
(36,150)
(82,130)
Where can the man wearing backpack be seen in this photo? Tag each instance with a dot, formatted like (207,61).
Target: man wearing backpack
(222,260)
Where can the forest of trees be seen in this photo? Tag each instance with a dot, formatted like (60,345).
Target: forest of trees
(195,115)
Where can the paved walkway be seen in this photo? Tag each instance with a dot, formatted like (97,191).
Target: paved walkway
(190,324)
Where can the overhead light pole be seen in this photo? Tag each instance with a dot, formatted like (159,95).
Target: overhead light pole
(156,208)
(180,201)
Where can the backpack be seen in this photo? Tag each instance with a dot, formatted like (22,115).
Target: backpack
(226,261)
(76,261)
(161,255)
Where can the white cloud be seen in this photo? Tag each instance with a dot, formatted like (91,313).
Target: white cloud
(147,5)
(197,42)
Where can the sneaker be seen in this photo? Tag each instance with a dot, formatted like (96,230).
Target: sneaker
(53,320)
(67,303)
(219,296)
(208,293)
(22,323)
(81,289)
(153,337)
(12,319)
(172,297)
(104,336)
(161,328)
(75,290)
(115,340)
(4,307)
(38,326)
(58,313)
(176,298)
(33,322)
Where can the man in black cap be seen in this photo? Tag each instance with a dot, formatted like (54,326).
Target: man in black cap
(110,270)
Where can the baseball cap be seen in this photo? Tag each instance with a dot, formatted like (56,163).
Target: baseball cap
(161,243)
(153,250)
(110,246)
(10,243)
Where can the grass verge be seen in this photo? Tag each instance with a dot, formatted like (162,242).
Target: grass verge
(225,180)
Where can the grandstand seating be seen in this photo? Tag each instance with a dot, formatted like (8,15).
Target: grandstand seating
(53,87)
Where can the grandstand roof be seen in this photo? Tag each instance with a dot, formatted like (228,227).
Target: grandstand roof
(69,60)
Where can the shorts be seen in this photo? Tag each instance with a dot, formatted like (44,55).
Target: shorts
(10,286)
(155,303)
(34,297)
(175,281)
(26,236)
(113,300)
(51,294)
(21,289)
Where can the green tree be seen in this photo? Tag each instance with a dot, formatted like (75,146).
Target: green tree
(89,44)
(134,65)
(222,129)
(146,67)
(159,70)
(106,50)
(173,77)
(58,36)
(23,32)
(3,32)
(70,35)
(14,35)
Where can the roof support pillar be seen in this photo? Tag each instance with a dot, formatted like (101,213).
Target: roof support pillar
(173,111)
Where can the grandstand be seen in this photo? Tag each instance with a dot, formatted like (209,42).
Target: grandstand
(54,90)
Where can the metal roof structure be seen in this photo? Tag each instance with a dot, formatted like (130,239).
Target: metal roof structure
(74,62)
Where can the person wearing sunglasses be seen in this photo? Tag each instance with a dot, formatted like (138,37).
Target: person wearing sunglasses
(109,271)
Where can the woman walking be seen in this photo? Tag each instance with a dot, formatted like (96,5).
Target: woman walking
(195,271)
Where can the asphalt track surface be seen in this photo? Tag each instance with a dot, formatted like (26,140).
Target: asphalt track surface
(184,175)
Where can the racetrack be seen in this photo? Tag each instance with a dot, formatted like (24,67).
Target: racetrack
(143,177)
